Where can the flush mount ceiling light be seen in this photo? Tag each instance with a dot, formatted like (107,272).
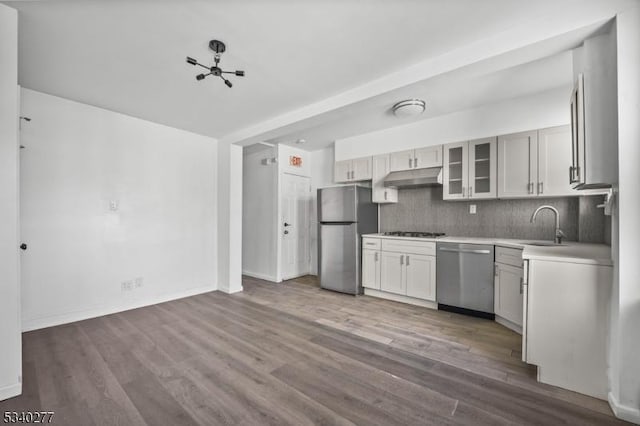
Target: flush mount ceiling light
(408,108)
(301,141)
(218,47)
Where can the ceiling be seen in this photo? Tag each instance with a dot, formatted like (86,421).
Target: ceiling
(129,56)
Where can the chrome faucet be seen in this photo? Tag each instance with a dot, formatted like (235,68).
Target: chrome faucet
(559,233)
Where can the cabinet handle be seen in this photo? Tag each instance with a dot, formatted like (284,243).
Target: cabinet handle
(540,187)
(531,188)
(375,256)
(407,260)
(410,163)
(495,270)
(463,192)
(402,259)
(470,191)
(521,285)
(385,195)
(415,162)
(571,174)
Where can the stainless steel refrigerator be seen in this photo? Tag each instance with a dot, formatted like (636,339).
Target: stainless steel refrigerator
(344,214)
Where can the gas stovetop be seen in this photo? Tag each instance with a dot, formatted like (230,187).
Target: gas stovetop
(414,234)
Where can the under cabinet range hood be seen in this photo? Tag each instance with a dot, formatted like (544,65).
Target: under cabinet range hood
(414,178)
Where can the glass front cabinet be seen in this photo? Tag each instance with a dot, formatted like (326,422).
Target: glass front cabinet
(470,170)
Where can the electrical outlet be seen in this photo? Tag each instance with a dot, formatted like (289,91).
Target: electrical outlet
(113,205)
(127,285)
(472,209)
(138,282)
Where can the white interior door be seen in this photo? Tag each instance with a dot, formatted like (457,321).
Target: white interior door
(294,227)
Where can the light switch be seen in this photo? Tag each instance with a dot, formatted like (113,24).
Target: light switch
(113,205)
(472,209)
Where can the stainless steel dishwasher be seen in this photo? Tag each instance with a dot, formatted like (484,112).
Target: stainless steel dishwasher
(464,278)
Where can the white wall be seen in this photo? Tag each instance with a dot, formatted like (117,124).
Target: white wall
(79,160)
(11,346)
(260,215)
(625,328)
(229,218)
(532,112)
(321,176)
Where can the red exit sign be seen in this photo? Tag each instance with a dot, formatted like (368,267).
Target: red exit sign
(295,161)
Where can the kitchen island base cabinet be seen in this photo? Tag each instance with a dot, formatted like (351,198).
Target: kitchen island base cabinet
(565,324)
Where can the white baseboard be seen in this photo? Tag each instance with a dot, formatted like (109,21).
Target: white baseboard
(400,298)
(510,325)
(624,412)
(10,391)
(67,317)
(259,276)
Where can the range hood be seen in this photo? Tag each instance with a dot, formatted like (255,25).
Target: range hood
(414,178)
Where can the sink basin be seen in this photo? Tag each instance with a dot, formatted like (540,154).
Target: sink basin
(544,244)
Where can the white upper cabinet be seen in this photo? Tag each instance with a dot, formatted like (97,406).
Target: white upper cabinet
(342,171)
(352,170)
(402,160)
(517,165)
(594,113)
(420,158)
(554,161)
(380,193)
(455,171)
(470,170)
(427,157)
(535,164)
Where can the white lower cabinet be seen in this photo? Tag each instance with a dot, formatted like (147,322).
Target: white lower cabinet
(508,293)
(371,269)
(420,273)
(405,268)
(392,273)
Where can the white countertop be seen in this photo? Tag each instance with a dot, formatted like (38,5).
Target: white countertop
(569,252)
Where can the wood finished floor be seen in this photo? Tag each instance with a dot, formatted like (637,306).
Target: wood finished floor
(289,354)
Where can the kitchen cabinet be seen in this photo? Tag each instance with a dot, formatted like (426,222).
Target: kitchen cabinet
(535,163)
(380,193)
(420,276)
(353,170)
(408,267)
(508,296)
(371,268)
(554,160)
(420,158)
(565,323)
(470,170)
(594,113)
(517,164)
(392,273)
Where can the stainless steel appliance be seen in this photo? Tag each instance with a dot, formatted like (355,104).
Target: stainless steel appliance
(414,178)
(344,214)
(464,278)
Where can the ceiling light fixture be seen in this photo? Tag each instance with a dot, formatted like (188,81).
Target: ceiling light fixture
(218,47)
(409,108)
(300,141)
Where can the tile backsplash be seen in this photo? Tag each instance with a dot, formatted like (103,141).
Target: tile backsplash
(422,209)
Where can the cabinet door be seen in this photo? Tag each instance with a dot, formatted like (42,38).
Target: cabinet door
(455,171)
(392,273)
(342,171)
(421,276)
(380,193)
(361,168)
(554,160)
(427,157)
(508,293)
(371,269)
(483,168)
(517,165)
(402,160)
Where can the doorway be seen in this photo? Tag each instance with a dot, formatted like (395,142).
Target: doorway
(295,204)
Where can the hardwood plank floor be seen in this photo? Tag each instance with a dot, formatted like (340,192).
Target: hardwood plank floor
(289,354)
